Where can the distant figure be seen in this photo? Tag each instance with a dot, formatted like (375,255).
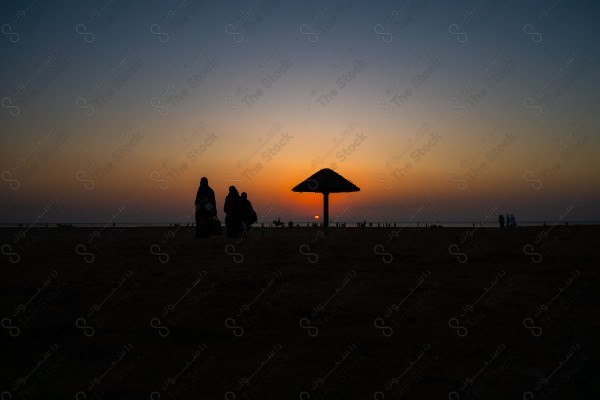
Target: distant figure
(233,211)
(513,222)
(248,214)
(206,209)
(501,220)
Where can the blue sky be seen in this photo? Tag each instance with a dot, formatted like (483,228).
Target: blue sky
(138,87)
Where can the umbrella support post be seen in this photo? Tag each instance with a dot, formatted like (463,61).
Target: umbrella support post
(326,213)
(326,181)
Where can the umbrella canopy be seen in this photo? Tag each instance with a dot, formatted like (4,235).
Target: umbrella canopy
(326,181)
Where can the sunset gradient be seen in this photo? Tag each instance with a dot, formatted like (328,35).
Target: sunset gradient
(431,127)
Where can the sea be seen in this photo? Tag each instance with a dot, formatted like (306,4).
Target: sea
(301,224)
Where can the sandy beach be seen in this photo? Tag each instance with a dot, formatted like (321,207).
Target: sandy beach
(371,313)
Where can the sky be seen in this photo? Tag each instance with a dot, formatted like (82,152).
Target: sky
(438,111)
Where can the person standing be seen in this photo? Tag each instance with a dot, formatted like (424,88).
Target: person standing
(233,211)
(248,214)
(206,209)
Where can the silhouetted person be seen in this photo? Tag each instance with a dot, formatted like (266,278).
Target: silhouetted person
(513,222)
(206,209)
(501,220)
(248,214)
(233,211)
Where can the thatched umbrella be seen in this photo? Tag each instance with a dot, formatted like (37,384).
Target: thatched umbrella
(326,181)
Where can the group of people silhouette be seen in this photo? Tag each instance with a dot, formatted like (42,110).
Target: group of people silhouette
(239,213)
(508,222)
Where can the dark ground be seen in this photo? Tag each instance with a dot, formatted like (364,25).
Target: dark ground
(151,313)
